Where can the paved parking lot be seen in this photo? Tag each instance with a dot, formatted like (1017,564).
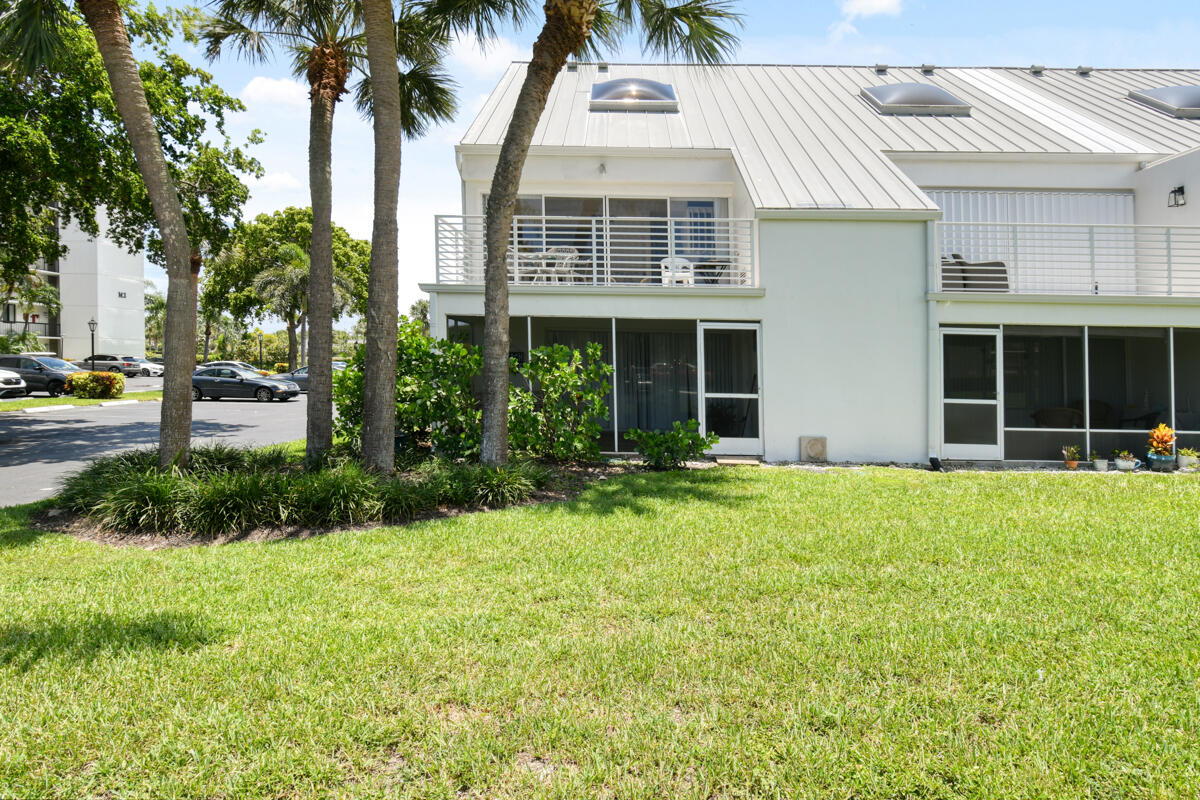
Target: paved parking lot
(37,450)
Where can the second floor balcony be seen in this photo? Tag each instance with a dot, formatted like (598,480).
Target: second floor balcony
(1059,259)
(604,251)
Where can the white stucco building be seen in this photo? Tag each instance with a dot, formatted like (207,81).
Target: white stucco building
(97,279)
(972,263)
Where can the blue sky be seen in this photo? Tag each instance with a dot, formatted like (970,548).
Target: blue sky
(1100,33)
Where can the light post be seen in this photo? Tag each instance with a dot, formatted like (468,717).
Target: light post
(260,360)
(92,328)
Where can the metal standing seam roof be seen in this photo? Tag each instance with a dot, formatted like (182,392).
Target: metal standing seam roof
(803,137)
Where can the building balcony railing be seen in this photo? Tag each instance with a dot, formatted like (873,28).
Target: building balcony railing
(1034,258)
(604,251)
(36,328)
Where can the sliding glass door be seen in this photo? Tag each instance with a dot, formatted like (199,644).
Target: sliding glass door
(729,386)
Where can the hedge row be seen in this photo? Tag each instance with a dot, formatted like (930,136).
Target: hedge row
(229,491)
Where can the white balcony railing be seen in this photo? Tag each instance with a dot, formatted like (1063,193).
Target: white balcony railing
(1028,258)
(604,251)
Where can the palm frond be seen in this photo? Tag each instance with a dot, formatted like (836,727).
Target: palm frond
(246,42)
(698,31)
(427,97)
(31,34)
(480,18)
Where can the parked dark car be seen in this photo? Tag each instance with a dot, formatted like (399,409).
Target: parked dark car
(41,373)
(299,376)
(218,382)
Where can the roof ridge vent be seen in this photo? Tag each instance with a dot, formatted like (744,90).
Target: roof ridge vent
(572,66)
(881,69)
(1083,71)
(927,69)
(1037,69)
(602,66)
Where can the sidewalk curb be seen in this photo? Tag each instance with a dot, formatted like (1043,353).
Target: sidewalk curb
(108,403)
(40,409)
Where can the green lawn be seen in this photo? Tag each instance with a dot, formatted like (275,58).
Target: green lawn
(66,400)
(725,633)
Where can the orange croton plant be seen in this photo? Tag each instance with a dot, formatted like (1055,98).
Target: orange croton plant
(1162,440)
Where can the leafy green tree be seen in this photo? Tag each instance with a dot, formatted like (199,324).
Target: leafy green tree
(699,31)
(69,88)
(232,283)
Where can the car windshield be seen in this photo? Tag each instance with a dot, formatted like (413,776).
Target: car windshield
(57,363)
(246,373)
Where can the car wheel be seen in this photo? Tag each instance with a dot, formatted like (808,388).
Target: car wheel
(114,369)
(55,389)
(196,394)
(145,373)
(263,395)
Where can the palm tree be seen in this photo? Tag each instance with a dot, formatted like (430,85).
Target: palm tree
(324,38)
(699,31)
(327,43)
(284,287)
(31,35)
(38,293)
(403,105)
(155,310)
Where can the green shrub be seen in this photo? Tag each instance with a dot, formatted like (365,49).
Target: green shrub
(272,458)
(670,449)
(95,385)
(343,495)
(149,500)
(403,498)
(433,393)
(84,490)
(501,486)
(559,416)
(19,343)
(229,503)
(216,457)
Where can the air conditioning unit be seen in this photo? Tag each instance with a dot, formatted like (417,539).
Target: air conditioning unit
(813,449)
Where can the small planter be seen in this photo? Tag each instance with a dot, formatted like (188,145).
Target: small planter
(1100,464)
(1072,464)
(1127,464)
(1186,462)
(1160,463)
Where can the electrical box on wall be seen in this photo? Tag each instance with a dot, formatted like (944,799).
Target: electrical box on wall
(813,448)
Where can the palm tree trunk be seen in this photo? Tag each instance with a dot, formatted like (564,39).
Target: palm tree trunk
(291,330)
(207,338)
(379,377)
(175,427)
(568,24)
(320,278)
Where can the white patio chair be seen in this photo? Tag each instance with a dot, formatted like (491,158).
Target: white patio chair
(678,271)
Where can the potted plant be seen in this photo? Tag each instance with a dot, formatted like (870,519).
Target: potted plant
(1187,458)
(1125,461)
(1099,462)
(1161,454)
(1071,455)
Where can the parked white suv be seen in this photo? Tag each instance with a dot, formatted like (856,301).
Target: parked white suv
(148,368)
(11,384)
(107,363)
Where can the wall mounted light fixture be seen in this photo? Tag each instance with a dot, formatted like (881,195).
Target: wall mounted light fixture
(1176,197)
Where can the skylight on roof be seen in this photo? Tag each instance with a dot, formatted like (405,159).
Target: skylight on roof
(915,99)
(633,94)
(1178,101)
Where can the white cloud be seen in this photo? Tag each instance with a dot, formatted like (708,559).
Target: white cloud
(859,9)
(485,61)
(283,92)
(278,182)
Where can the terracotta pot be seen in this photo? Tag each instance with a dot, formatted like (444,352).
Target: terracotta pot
(1072,464)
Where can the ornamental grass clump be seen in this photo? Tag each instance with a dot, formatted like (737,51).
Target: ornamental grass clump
(343,495)
(146,501)
(230,503)
(1162,440)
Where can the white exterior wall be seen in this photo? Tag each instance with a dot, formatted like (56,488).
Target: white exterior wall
(844,338)
(94,274)
(1153,183)
(844,343)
